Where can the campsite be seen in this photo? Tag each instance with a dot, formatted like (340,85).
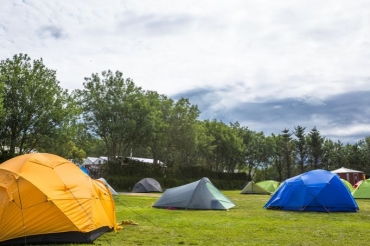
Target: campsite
(48,199)
(126,122)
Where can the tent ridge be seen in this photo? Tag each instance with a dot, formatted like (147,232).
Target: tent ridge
(192,195)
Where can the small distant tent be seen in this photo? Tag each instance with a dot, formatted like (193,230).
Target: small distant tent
(112,191)
(201,194)
(363,190)
(85,170)
(263,187)
(348,185)
(352,176)
(147,185)
(317,190)
(45,198)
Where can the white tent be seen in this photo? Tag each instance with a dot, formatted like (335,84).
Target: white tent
(345,170)
(94,160)
(145,160)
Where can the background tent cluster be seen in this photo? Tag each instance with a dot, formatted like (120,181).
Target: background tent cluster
(317,190)
(147,185)
(47,199)
(201,194)
(263,187)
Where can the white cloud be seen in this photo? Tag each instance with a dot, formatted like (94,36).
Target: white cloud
(350,130)
(261,49)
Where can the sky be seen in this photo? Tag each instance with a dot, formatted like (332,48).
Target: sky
(267,64)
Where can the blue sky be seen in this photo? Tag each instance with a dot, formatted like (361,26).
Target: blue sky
(267,64)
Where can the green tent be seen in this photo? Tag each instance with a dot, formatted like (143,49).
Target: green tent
(348,185)
(263,187)
(363,190)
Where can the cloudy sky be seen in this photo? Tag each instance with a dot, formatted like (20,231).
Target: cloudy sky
(267,64)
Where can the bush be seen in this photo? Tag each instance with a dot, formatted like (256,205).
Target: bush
(124,177)
(126,183)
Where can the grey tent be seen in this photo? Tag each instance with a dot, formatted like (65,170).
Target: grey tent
(147,185)
(201,194)
(115,193)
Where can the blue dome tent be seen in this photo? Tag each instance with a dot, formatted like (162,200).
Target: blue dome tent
(85,170)
(316,190)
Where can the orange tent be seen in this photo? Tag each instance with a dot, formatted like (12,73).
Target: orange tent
(47,199)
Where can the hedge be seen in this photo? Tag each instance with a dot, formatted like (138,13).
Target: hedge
(126,183)
(124,177)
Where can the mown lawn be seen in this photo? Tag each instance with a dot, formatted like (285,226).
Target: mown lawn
(246,224)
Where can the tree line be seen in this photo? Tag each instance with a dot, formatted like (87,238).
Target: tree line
(114,117)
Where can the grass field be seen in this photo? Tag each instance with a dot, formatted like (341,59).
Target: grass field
(246,224)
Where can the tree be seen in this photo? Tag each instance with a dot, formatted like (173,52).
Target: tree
(228,146)
(205,143)
(365,153)
(315,142)
(300,146)
(332,155)
(66,142)
(35,106)
(156,137)
(114,109)
(277,154)
(255,150)
(287,151)
(182,133)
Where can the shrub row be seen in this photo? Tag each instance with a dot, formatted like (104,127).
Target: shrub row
(124,177)
(126,183)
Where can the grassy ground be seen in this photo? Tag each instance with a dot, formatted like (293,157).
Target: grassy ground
(246,224)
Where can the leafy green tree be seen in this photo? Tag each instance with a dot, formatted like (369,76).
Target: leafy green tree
(255,152)
(65,141)
(182,133)
(356,156)
(114,109)
(89,143)
(205,143)
(365,153)
(35,106)
(157,125)
(228,146)
(332,155)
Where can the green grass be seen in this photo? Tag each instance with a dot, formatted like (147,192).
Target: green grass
(246,224)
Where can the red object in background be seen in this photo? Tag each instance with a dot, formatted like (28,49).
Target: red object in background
(352,176)
(357,184)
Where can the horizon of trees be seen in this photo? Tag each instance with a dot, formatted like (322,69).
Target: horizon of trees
(112,116)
